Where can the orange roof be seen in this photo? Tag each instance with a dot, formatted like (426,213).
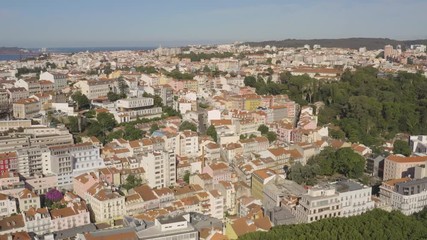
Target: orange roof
(393,182)
(403,159)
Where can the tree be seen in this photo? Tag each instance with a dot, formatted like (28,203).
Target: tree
(81,100)
(271,136)
(250,81)
(349,163)
(401,147)
(123,87)
(187,177)
(106,121)
(188,126)
(154,127)
(73,124)
(54,195)
(263,129)
(132,181)
(112,97)
(211,131)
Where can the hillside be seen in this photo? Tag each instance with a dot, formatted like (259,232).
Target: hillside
(353,43)
(376,224)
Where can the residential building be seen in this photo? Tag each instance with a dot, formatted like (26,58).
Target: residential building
(7,206)
(16,94)
(161,168)
(318,203)
(409,196)
(72,216)
(8,161)
(38,220)
(355,198)
(398,166)
(94,89)
(27,200)
(14,124)
(12,224)
(41,184)
(418,144)
(26,108)
(106,204)
(218,171)
(59,80)
(170,227)
(189,144)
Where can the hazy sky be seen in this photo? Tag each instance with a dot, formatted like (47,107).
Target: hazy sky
(63,23)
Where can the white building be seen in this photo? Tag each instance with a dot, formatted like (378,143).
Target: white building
(418,144)
(189,146)
(7,205)
(106,205)
(160,168)
(355,198)
(59,80)
(318,203)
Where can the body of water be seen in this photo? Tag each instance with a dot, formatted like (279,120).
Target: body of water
(8,57)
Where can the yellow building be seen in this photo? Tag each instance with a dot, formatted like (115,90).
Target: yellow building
(259,179)
(115,74)
(252,102)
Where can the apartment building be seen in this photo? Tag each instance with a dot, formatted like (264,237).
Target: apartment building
(398,166)
(59,80)
(29,161)
(355,198)
(408,196)
(7,205)
(94,89)
(38,220)
(14,124)
(27,200)
(189,144)
(16,94)
(131,108)
(72,216)
(160,168)
(318,203)
(32,85)
(8,161)
(106,204)
(26,108)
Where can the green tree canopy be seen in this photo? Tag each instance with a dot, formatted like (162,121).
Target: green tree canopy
(82,101)
(271,136)
(263,129)
(401,147)
(211,131)
(375,224)
(188,126)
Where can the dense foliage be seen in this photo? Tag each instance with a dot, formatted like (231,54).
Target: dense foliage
(82,101)
(376,224)
(211,131)
(329,162)
(131,182)
(188,126)
(197,57)
(367,108)
(401,147)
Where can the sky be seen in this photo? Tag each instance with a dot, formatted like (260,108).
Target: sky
(140,23)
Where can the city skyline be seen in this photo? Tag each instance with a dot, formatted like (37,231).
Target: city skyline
(135,23)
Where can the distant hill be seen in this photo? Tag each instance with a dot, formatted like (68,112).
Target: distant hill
(11,50)
(353,43)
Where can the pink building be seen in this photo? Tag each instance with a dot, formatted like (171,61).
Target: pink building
(218,172)
(83,182)
(176,85)
(75,215)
